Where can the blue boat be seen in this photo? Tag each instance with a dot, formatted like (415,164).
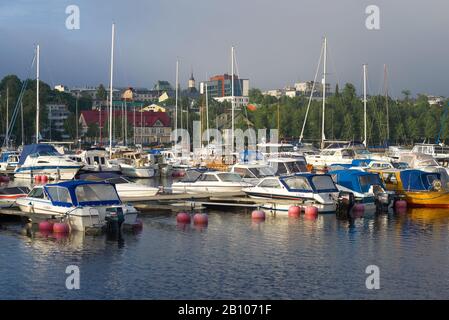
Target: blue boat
(367,187)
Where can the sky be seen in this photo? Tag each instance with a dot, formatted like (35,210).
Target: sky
(277,42)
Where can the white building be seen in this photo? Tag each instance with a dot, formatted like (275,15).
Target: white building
(57,115)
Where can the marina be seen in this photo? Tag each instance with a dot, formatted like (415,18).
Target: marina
(200,152)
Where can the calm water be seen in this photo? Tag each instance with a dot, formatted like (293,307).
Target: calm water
(233,257)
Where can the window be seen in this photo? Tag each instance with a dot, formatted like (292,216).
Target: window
(262,172)
(96,192)
(270,183)
(323,183)
(208,177)
(96,160)
(281,168)
(37,193)
(229,177)
(59,194)
(389,178)
(298,183)
(244,173)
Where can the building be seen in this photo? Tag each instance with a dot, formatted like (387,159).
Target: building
(277,93)
(60,88)
(148,126)
(57,115)
(306,87)
(154,108)
(435,100)
(220,88)
(92,92)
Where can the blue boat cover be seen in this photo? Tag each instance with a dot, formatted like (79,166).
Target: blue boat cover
(361,162)
(418,180)
(356,180)
(310,178)
(71,187)
(41,149)
(250,156)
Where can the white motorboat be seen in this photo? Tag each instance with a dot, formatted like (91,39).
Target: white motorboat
(253,172)
(330,156)
(195,182)
(288,166)
(95,160)
(318,190)
(134,165)
(8,196)
(126,189)
(82,204)
(43,159)
(9,160)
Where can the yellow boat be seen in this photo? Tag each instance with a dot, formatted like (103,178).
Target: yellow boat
(420,188)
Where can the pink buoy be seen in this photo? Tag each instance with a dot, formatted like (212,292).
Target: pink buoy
(200,218)
(44,179)
(37,179)
(4,178)
(294,211)
(183,217)
(258,215)
(45,226)
(60,227)
(400,204)
(311,211)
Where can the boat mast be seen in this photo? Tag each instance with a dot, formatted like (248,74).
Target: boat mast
(21,118)
(7,117)
(323,137)
(207,116)
(76,119)
(232,99)
(110,90)
(37,94)
(386,101)
(176,95)
(364,102)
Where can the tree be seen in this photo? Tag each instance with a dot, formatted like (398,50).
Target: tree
(406,94)
(101,93)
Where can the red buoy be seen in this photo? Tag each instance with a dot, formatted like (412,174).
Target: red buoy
(37,179)
(44,179)
(183,217)
(311,211)
(294,211)
(4,178)
(45,226)
(200,218)
(60,227)
(400,204)
(258,215)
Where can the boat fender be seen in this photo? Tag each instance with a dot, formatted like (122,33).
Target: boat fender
(183,217)
(294,211)
(46,226)
(61,227)
(258,215)
(200,218)
(311,211)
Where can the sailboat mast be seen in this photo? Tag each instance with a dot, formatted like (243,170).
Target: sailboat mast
(364,102)
(232,99)
(323,137)
(37,94)
(21,118)
(207,115)
(7,116)
(110,90)
(176,95)
(386,101)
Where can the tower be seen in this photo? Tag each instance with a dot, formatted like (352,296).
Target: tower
(191,83)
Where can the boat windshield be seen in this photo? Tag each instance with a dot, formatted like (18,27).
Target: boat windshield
(366,181)
(323,183)
(59,194)
(262,172)
(95,193)
(296,167)
(298,183)
(229,177)
(117,180)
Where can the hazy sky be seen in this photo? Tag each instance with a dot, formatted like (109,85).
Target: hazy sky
(277,41)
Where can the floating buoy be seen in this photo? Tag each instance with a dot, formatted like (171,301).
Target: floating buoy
(44,179)
(37,179)
(400,204)
(294,211)
(45,226)
(4,178)
(311,211)
(200,218)
(258,215)
(183,217)
(60,227)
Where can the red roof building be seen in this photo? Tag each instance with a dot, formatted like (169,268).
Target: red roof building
(148,126)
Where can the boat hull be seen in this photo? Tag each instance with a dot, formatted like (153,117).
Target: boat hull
(137,172)
(428,199)
(61,173)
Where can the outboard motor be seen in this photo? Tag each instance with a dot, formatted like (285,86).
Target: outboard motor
(114,219)
(346,201)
